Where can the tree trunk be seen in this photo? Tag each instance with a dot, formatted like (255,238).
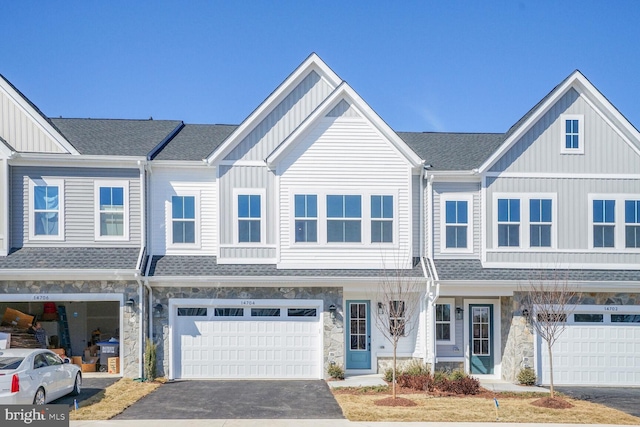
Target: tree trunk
(550,370)
(395,347)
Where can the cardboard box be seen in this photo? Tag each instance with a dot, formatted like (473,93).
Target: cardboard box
(59,351)
(114,365)
(88,367)
(5,340)
(91,360)
(76,360)
(16,318)
(49,316)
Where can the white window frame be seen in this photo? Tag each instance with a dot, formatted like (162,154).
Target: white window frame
(263,210)
(124,184)
(629,224)
(444,198)
(49,182)
(619,221)
(392,220)
(169,224)
(452,322)
(563,133)
(295,218)
(525,221)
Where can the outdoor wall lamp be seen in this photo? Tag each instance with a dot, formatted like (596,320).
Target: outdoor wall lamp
(525,313)
(158,308)
(380,308)
(332,311)
(459,313)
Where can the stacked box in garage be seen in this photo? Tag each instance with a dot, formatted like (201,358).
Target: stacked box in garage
(114,365)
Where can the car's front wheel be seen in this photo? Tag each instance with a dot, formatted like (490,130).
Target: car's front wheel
(40,397)
(77,385)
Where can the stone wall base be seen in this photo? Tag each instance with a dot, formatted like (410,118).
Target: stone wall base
(385,363)
(449,366)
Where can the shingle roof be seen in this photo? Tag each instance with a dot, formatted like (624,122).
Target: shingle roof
(195,142)
(115,137)
(472,270)
(453,151)
(71,258)
(208,266)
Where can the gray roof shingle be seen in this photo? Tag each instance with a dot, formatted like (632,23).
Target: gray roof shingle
(115,137)
(195,142)
(472,270)
(71,259)
(208,266)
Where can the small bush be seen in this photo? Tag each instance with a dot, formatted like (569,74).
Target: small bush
(416,382)
(466,385)
(527,376)
(458,374)
(335,371)
(150,360)
(415,367)
(439,376)
(388,374)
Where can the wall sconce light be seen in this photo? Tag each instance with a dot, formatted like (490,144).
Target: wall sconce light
(525,313)
(332,311)
(129,304)
(158,308)
(380,308)
(459,313)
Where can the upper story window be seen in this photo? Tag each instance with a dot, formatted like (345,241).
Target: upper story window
(604,223)
(540,221)
(112,210)
(306,217)
(381,219)
(183,219)
(572,133)
(456,224)
(249,218)
(632,223)
(344,218)
(46,209)
(509,222)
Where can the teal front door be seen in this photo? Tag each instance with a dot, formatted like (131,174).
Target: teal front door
(358,335)
(481,338)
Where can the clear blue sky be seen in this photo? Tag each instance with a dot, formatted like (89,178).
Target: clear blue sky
(462,66)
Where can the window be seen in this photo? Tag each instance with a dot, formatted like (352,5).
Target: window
(625,318)
(381,219)
(301,312)
(509,222)
(456,224)
(572,134)
(604,223)
(192,312)
(306,217)
(344,218)
(265,312)
(111,210)
(632,223)
(540,222)
(444,331)
(46,209)
(588,318)
(183,219)
(249,218)
(228,312)
(396,318)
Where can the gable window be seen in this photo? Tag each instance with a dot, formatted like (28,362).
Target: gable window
(381,219)
(540,220)
(632,223)
(396,318)
(183,219)
(456,223)
(112,210)
(444,322)
(572,134)
(306,217)
(344,218)
(46,212)
(604,223)
(249,218)
(509,222)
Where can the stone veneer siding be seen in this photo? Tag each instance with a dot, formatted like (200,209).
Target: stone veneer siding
(517,334)
(129,336)
(333,328)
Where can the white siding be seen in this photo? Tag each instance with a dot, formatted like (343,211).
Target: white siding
(441,189)
(346,155)
(168,182)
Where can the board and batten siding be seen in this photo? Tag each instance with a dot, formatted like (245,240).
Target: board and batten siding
(346,156)
(538,151)
(573,224)
(451,189)
(283,119)
(79,204)
(415,205)
(21,131)
(168,182)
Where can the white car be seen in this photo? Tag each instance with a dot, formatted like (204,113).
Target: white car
(36,376)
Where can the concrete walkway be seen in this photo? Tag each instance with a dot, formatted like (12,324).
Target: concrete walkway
(370,380)
(504,386)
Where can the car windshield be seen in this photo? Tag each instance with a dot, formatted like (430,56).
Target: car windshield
(7,363)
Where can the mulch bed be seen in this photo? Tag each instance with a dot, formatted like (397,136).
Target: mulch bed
(398,401)
(552,403)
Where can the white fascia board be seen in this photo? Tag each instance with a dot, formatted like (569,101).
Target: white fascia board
(303,281)
(6,152)
(48,274)
(37,117)
(178,163)
(344,92)
(495,288)
(312,63)
(36,159)
(453,176)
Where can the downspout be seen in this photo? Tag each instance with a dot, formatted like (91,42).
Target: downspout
(140,330)
(7,211)
(432,302)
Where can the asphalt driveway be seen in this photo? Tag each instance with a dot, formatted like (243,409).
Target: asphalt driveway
(236,400)
(623,399)
(90,387)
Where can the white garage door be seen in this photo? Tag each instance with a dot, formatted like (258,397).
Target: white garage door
(258,339)
(601,348)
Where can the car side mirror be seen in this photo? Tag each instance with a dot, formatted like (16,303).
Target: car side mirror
(66,360)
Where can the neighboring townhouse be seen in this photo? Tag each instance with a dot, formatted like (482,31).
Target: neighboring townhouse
(256,250)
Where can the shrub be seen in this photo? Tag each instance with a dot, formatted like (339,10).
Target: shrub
(466,385)
(416,367)
(416,382)
(388,374)
(526,376)
(458,374)
(439,376)
(335,371)
(150,360)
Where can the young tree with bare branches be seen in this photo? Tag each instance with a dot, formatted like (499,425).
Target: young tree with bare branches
(550,300)
(399,298)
